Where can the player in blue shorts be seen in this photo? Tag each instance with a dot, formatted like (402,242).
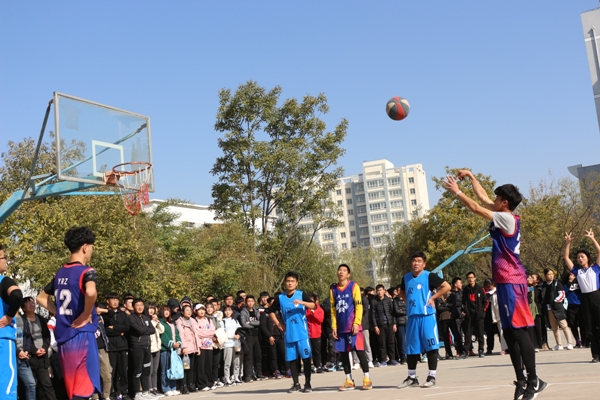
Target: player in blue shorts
(417,289)
(12,298)
(74,291)
(293,304)
(508,274)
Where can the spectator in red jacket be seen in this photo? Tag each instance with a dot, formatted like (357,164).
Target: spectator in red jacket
(315,319)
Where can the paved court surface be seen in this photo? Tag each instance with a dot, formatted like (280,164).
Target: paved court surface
(570,376)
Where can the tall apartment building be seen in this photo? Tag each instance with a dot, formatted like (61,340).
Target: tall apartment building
(372,202)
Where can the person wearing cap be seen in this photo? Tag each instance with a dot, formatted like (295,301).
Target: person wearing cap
(116,323)
(139,350)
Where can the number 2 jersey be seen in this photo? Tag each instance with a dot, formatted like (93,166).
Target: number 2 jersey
(68,289)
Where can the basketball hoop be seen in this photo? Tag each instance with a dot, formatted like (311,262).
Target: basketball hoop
(133,180)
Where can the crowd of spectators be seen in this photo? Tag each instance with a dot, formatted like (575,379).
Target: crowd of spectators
(231,341)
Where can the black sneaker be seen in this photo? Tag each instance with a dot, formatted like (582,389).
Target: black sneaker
(261,377)
(307,388)
(481,354)
(519,389)
(463,356)
(532,390)
(596,359)
(295,388)
(430,382)
(409,382)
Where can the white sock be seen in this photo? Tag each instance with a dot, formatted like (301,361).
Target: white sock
(432,372)
(412,373)
(349,376)
(366,374)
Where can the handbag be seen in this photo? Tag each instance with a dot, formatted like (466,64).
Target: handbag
(175,370)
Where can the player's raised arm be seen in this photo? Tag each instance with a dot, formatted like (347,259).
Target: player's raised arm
(568,239)
(477,188)
(590,234)
(451,185)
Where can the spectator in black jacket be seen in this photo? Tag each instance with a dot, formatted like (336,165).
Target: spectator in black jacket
(276,349)
(116,323)
(327,341)
(139,349)
(36,341)
(444,316)
(474,305)
(401,319)
(384,325)
(454,303)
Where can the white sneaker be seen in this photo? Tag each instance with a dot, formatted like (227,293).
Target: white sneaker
(557,347)
(169,393)
(219,384)
(356,366)
(371,364)
(205,389)
(570,347)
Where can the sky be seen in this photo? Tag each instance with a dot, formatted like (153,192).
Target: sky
(502,88)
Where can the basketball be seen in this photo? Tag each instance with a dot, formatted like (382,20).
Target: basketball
(397,108)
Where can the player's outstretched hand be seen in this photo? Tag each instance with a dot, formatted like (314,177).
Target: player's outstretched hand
(450,184)
(568,237)
(464,173)
(5,321)
(590,234)
(81,321)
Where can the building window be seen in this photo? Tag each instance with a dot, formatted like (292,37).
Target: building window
(363,231)
(375,183)
(359,187)
(328,247)
(396,216)
(377,206)
(413,202)
(327,236)
(363,220)
(365,242)
(348,191)
(351,222)
(343,235)
(353,244)
(412,191)
(349,201)
(394,181)
(350,212)
(352,233)
(378,217)
(377,240)
(377,195)
(360,198)
(396,204)
(338,192)
(340,203)
(411,180)
(380,228)
(396,193)
(361,209)
(344,246)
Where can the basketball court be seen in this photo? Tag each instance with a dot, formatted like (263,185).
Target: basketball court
(569,374)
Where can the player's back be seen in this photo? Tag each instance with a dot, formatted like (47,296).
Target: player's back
(69,294)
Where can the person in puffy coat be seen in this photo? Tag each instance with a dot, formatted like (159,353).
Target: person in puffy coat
(315,319)
(190,346)
(399,306)
(206,332)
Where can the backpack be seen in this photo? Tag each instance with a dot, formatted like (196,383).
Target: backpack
(175,370)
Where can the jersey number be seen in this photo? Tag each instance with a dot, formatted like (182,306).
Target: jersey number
(64,295)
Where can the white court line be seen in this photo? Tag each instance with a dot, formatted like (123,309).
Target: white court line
(463,391)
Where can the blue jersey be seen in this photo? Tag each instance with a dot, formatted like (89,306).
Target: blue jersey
(418,294)
(69,295)
(9,331)
(294,317)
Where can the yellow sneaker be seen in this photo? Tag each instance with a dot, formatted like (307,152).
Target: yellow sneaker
(349,385)
(367,384)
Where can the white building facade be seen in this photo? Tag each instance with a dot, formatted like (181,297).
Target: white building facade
(372,202)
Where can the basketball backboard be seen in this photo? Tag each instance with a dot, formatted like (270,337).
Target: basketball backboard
(109,137)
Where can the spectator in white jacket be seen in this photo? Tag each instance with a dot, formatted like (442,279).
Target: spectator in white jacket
(155,348)
(230,353)
(492,323)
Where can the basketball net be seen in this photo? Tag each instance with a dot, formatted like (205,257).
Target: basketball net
(127,177)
